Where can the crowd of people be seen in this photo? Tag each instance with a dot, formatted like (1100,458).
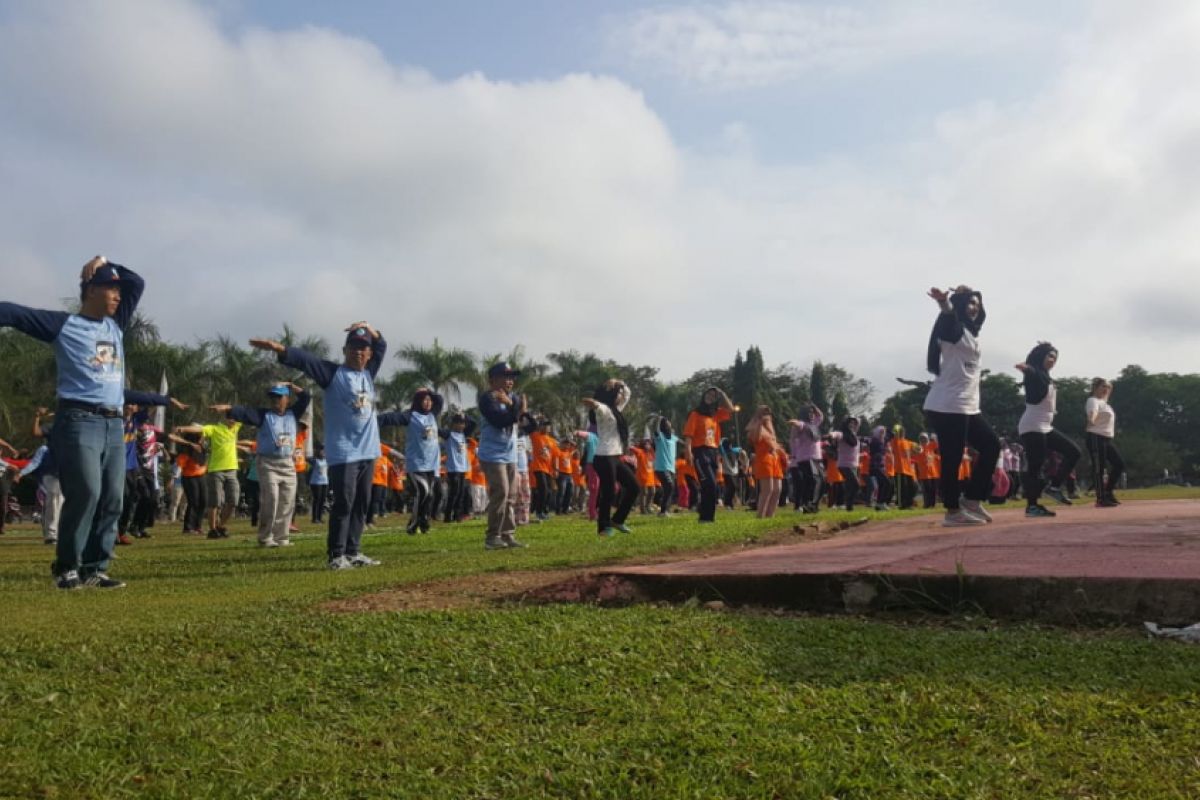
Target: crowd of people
(104,466)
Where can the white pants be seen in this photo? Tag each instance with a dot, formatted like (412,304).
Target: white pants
(276,498)
(176,500)
(51,507)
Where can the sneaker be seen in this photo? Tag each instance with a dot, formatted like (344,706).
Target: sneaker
(1038,510)
(100,580)
(123,539)
(269,543)
(214,534)
(224,532)
(976,509)
(607,533)
(50,540)
(511,541)
(960,518)
(284,543)
(424,527)
(494,543)
(623,528)
(1107,502)
(1057,494)
(360,560)
(68,580)
(341,562)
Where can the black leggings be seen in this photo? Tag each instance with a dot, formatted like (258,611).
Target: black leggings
(1036,446)
(705,460)
(612,470)
(194,491)
(805,482)
(541,493)
(1101,452)
(665,496)
(849,486)
(955,431)
(422,512)
(455,482)
(319,492)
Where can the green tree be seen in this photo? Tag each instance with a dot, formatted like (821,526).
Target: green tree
(443,369)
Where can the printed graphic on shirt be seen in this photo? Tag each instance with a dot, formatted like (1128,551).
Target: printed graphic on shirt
(106,362)
(361,404)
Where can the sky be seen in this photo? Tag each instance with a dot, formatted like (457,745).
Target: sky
(659,184)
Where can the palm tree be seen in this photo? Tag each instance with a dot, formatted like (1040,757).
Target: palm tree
(442,369)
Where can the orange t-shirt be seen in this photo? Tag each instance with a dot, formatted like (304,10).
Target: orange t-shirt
(645,467)
(766,460)
(475,475)
(563,461)
(395,478)
(705,431)
(298,452)
(964,468)
(188,466)
(902,451)
(864,463)
(832,473)
(381,467)
(542,452)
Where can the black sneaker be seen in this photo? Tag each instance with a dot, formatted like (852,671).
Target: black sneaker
(1057,494)
(68,580)
(214,534)
(223,533)
(1038,511)
(100,580)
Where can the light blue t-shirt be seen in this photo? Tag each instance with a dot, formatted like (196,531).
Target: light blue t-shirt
(320,472)
(91,362)
(351,429)
(456,452)
(277,435)
(589,447)
(497,445)
(422,448)
(523,447)
(664,452)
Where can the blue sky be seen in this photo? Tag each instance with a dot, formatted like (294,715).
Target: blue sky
(661,184)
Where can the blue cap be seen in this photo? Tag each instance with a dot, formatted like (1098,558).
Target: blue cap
(279,391)
(503,369)
(106,275)
(359,336)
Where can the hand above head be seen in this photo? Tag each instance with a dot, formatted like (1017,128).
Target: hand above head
(89,269)
(939,295)
(267,344)
(363,324)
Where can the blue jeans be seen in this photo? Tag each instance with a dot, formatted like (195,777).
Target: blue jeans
(90,452)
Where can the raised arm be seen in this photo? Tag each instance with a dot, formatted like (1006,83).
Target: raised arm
(320,370)
(38,414)
(394,419)
(39,324)
(244,414)
(132,287)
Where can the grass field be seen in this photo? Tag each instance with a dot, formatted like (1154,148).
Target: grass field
(217,673)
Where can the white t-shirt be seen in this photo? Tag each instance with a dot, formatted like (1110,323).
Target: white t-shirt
(955,390)
(1039,417)
(607,432)
(1106,420)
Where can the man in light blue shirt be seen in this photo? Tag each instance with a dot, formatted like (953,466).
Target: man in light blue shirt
(88,440)
(351,432)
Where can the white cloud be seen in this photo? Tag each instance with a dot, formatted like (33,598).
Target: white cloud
(259,177)
(751,43)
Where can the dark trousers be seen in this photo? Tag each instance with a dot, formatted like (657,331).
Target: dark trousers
(805,483)
(195,490)
(376,497)
(565,490)
(849,486)
(908,491)
(140,502)
(1101,452)
(612,470)
(90,452)
(5,488)
(731,490)
(954,432)
(351,487)
(541,493)
(929,490)
(455,483)
(422,487)
(1036,446)
(883,486)
(319,492)
(705,460)
(253,501)
(666,491)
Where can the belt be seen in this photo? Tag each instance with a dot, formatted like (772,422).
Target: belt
(91,408)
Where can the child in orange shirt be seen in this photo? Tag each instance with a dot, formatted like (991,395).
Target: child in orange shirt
(703,434)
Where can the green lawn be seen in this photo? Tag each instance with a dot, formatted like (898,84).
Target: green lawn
(215,674)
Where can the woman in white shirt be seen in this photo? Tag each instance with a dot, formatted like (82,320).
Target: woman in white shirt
(952,405)
(1037,432)
(1101,429)
(612,433)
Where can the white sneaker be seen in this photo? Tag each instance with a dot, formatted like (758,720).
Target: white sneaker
(360,560)
(960,518)
(976,509)
(341,562)
(284,543)
(269,543)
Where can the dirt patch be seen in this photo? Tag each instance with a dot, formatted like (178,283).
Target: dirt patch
(579,585)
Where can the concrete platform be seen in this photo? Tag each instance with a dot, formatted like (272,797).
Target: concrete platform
(1140,561)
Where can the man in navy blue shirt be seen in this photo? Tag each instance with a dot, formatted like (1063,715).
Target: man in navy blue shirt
(88,439)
